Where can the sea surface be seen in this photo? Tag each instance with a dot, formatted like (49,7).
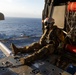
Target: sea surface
(20,31)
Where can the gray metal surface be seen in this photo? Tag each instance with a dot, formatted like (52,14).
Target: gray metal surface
(11,66)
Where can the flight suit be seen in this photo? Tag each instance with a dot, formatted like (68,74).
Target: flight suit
(46,45)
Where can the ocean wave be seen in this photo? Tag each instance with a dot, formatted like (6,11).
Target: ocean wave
(5,37)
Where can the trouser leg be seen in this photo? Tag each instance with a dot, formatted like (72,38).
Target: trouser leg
(46,50)
(31,48)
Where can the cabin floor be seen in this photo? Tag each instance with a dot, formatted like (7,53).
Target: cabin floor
(47,66)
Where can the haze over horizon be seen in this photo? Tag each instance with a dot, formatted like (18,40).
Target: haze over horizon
(22,8)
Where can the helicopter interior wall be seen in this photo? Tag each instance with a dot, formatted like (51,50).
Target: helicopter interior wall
(61,2)
(59,16)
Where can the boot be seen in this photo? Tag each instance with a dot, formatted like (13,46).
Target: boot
(14,49)
(27,60)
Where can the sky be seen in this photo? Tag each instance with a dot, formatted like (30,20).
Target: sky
(22,8)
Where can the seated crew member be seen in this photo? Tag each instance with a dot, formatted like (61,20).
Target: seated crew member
(42,47)
(47,44)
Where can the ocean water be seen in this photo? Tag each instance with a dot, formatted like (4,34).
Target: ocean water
(20,31)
